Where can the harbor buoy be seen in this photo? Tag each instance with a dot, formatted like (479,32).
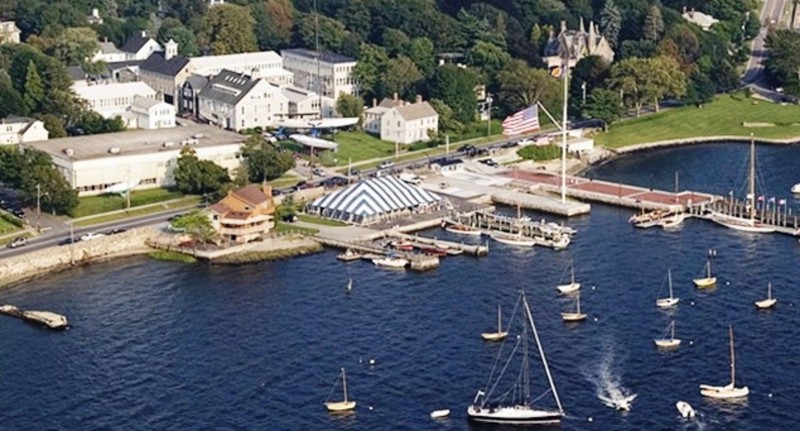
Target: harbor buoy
(372,361)
(769,395)
(727,283)
(370,408)
(590,419)
(692,302)
(691,342)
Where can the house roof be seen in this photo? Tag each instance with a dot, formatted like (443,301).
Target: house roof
(390,103)
(135,43)
(219,208)
(251,194)
(14,119)
(228,87)
(122,89)
(416,111)
(324,56)
(144,102)
(109,48)
(197,82)
(158,64)
(76,73)
(297,95)
(254,59)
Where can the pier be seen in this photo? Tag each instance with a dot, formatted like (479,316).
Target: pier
(545,234)
(782,221)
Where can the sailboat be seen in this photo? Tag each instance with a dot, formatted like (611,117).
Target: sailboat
(572,286)
(511,239)
(577,316)
(769,302)
(671,342)
(708,280)
(340,406)
(729,391)
(671,301)
(488,407)
(749,223)
(500,334)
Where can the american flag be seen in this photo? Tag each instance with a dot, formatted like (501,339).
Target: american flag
(524,121)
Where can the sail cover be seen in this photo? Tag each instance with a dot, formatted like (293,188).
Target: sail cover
(372,199)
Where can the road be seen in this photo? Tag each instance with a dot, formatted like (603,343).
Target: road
(770,16)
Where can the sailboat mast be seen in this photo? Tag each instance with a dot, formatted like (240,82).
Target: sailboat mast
(541,354)
(344,385)
(676,186)
(669,276)
(579,304)
(572,272)
(672,329)
(769,290)
(733,356)
(499,322)
(752,180)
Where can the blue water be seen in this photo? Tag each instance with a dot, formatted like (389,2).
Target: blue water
(162,346)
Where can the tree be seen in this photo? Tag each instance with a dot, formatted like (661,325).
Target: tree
(332,33)
(489,58)
(184,10)
(229,29)
(263,161)
(455,87)
(55,193)
(782,62)
(642,80)
(604,105)
(589,73)
(11,166)
(350,106)
(195,176)
(422,53)
(611,22)
(10,99)
(274,22)
(198,226)
(395,42)
(447,120)
(34,89)
(401,76)
(185,38)
(372,63)
(522,86)
(75,46)
(54,125)
(700,89)
(653,24)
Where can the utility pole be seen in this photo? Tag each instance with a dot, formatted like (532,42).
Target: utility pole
(489,115)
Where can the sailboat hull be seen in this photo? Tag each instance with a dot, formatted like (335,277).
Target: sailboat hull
(724,392)
(513,415)
(668,343)
(341,406)
(568,288)
(667,302)
(463,230)
(517,240)
(741,224)
(573,317)
(494,336)
(766,303)
(705,282)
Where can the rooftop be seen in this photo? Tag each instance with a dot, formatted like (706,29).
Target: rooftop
(135,43)
(158,64)
(109,48)
(297,95)
(137,142)
(122,89)
(254,58)
(325,56)
(415,111)
(14,119)
(251,194)
(145,102)
(228,87)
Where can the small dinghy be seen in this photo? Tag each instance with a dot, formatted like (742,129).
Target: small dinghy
(440,414)
(686,411)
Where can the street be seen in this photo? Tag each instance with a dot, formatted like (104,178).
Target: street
(753,76)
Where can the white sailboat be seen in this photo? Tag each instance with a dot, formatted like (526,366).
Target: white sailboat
(668,342)
(577,316)
(520,409)
(707,281)
(340,406)
(462,229)
(500,334)
(672,221)
(769,302)
(512,239)
(671,301)
(749,223)
(729,391)
(572,286)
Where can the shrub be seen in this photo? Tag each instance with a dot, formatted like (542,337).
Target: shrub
(536,152)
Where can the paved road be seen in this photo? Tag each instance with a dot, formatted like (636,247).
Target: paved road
(754,77)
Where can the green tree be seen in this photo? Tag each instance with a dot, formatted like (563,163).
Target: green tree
(350,106)
(229,29)
(274,22)
(782,62)
(34,89)
(489,58)
(422,53)
(700,89)
(643,80)
(185,38)
(56,194)
(611,22)
(11,166)
(54,125)
(604,105)
(653,24)
(184,10)
(76,46)
(372,64)
(455,86)
(401,76)
(395,42)
(447,120)
(522,86)
(197,225)
(263,161)
(10,99)
(195,176)
(332,33)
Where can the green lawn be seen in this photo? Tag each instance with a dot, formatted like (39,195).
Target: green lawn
(724,116)
(321,221)
(281,227)
(91,205)
(360,146)
(6,227)
(189,201)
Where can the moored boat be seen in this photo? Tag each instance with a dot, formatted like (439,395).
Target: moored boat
(769,302)
(729,391)
(668,342)
(796,189)
(511,239)
(671,301)
(672,221)
(349,255)
(391,262)
(340,406)
(463,229)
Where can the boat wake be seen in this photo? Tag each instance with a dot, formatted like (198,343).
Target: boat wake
(608,384)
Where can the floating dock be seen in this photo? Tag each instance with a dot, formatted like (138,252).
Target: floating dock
(543,233)
(46,318)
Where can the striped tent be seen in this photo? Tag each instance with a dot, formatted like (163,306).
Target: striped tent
(374,199)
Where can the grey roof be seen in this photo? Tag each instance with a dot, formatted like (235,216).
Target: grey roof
(123,64)
(140,141)
(228,87)
(325,56)
(416,111)
(297,95)
(158,64)
(197,82)
(109,48)
(135,43)
(145,102)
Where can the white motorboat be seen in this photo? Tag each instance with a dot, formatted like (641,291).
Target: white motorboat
(672,221)
(440,414)
(500,334)
(769,302)
(558,228)
(577,316)
(796,189)
(463,230)
(671,301)
(561,242)
(344,405)
(686,410)
(515,407)
(708,281)
(668,342)
(729,391)
(572,286)
(390,262)
(512,239)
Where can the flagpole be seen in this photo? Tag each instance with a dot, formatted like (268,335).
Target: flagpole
(564,128)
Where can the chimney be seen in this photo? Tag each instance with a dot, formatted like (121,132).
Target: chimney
(374,102)
(95,13)
(144,34)
(563,26)
(394,96)
(419,98)
(684,10)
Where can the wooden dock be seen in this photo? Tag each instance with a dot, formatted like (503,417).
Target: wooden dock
(452,247)
(539,231)
(778,217)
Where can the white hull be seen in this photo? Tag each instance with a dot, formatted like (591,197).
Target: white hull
(513,415)
(796,188)
(766,303)
(568,288)
(667,302)
(391,263)
(705,282)
(494,336)
(741,224)
(685,409)
(573,317)
(463,230)
(668,343)
(440,414)
(341,406)
(724,392)
(673,221)
(513,240)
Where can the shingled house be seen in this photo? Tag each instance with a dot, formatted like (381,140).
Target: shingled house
(244,215)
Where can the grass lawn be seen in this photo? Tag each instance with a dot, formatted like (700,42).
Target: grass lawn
(316,220)
(189,201)
(360,146)
(6,227)
(724,116)
(90,205)
(290,228)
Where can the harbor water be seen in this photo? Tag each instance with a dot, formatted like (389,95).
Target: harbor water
(166,346)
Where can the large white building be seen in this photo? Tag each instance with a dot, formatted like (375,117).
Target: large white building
(110,99)
(372,116)
(147,113)
(323,72)
(266,64)
(237,101)
(147,158)
(19,130)
(409,123)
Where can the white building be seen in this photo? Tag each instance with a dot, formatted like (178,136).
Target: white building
(139,47)
(267,65)
(93,163)
(109,53)
(324,72)
(19,130)
(705,21)
(9,32)
(372,116)
(237,101)
(147,113)
(409,123)
(110,99)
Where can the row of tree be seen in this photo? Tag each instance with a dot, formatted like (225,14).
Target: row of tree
(32,172)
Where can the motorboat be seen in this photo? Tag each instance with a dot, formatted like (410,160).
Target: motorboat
(349,255)
(390,262)
(402,246)
(511,239)
(686,410)
(796,189)
(440,414)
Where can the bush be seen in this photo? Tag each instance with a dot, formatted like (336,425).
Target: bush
(421,145)
(539,153)
(16,221)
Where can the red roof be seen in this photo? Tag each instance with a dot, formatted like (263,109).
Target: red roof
(251,194)
(219,208)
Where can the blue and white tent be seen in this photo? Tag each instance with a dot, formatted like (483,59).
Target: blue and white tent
(374,199)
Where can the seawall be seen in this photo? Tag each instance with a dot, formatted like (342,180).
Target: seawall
(701,140)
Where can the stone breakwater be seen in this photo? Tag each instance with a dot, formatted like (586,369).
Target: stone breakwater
(701,140)
(17,268)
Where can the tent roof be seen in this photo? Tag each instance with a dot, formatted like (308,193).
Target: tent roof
(374,196)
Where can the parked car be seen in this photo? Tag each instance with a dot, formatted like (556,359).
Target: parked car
(91,235)
(353,172)
(318,172)
(115,231)
(270,137)
(509,144)
(386,164)
(525,141)
(68,241)
(289,218)
(489,162)
(19,241)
